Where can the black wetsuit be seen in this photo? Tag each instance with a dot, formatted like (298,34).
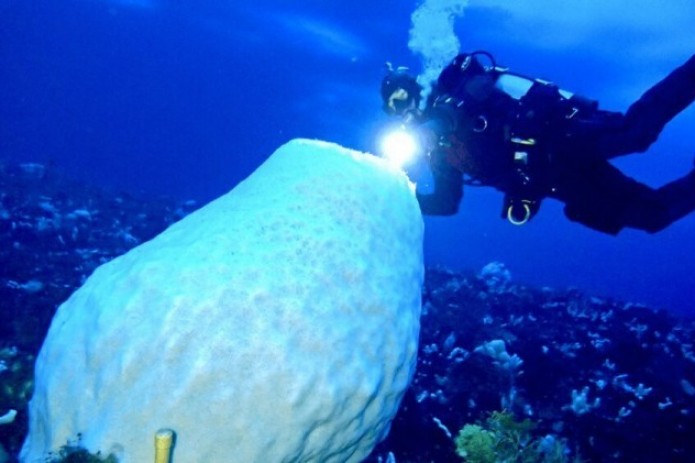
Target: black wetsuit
(569,160)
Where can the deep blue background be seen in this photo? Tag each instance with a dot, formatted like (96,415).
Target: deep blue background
(185,99)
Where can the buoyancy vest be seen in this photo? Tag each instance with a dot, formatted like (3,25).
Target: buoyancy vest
(508,127)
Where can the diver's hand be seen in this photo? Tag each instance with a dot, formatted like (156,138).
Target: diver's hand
(429,136)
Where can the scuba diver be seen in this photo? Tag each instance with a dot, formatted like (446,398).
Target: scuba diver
(483,125)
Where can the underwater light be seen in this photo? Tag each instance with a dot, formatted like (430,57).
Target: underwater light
(399,147)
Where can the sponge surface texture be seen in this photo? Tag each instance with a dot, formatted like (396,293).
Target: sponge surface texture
(279,323)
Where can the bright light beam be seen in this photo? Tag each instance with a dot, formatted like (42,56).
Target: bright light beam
(399,147)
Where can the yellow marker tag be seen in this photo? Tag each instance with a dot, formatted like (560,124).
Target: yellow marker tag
(163,442)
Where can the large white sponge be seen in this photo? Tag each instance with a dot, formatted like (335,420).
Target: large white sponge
(279,323)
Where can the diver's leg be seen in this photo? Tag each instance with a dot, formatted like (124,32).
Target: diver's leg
(605,199)
(646,118)
(657,209)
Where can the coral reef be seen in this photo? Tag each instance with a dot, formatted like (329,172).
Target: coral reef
(73,452)
(611,379)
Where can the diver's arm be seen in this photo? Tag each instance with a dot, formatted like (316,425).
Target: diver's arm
(439,124)
(448,188)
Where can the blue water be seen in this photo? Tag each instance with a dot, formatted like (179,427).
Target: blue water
(185,99)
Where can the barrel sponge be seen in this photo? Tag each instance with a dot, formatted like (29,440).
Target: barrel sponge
(279,323)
